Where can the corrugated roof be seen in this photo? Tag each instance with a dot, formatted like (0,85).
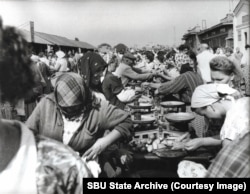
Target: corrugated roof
(82,44)
(44,38)
(57,40)
(37,39)
(216,26)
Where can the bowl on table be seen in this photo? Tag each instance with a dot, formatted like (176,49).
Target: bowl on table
(172,104)
(180,117)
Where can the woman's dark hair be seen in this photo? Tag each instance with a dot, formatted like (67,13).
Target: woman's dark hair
(193,57)
(182,47)
(113,59)
(171,54)
(161,56)
(150,56)
(16,76)
(222,64)
(185,68)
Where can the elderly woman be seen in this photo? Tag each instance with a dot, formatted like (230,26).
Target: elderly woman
(39,164)
(92,70)
(214,101)
(74,116)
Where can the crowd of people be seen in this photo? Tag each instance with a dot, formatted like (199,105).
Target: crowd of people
(64,115)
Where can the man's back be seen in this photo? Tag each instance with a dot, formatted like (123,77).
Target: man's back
(203,60)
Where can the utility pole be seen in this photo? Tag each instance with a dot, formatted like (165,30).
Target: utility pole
(32,32)
(174,35)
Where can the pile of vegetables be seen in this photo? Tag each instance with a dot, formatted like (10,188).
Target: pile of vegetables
(154,142)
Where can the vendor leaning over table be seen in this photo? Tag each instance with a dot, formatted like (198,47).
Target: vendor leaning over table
(74,116)
(113,89)
(184,85)
(216,101)
(127,72)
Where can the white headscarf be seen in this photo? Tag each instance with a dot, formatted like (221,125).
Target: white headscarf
(208,94)
(60,54)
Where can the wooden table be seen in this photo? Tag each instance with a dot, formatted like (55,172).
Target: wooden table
(150,165)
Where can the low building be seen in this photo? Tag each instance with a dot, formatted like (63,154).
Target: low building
(191,37)
(241,37)
(42,41)
(219,35)
(242,25)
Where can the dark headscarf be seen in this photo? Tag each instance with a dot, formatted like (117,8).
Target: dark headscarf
(185,68)
(91,63)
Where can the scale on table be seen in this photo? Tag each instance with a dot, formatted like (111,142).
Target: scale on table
(173,106)
(141,113)
(179,121)
(174,113)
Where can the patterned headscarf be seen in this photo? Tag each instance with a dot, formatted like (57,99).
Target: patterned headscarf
(70,90)
(90,64)
(208,94)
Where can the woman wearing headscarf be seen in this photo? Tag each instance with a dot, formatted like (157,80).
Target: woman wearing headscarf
(216,101)
(30,164)
(91,69)
(232,161)
(73,115)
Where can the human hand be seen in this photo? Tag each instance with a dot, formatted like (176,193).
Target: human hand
(156,92)
(194,144)
(145,84)
(135,97)
(99,146)
(151,76)
(126,158)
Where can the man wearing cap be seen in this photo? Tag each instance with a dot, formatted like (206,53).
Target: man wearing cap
(127,72)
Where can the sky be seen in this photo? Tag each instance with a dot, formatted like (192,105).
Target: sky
(131,22)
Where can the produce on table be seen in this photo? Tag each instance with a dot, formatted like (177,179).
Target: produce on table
(175,141)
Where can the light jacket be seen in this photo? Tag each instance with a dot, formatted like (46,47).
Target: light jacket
(46,119)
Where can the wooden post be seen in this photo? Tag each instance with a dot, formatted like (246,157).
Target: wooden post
(32,32)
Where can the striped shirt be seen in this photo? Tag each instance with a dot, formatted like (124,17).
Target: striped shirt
(233,161)
(184,85)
